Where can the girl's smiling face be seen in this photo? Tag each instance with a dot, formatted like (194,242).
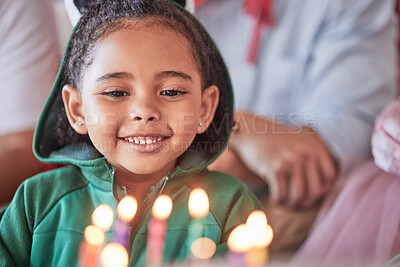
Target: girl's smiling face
(141,100)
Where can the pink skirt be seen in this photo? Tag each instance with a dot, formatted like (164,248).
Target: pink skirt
(359,222)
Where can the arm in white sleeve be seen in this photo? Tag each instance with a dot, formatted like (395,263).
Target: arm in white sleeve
(352,75)
(29,60)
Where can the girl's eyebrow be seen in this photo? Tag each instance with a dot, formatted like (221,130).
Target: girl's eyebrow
(127,75)
(114,75)
(174,74)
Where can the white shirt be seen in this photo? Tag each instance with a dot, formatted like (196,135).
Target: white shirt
(29,60)
(327,64)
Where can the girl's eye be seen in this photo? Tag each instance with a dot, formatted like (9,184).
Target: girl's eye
(172,92)
(115,93)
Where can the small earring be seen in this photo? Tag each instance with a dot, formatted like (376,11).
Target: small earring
(80,123)
(200,124)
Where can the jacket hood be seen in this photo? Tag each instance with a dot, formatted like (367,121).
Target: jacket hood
(47,148)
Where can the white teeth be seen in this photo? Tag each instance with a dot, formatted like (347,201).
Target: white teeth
(143,140)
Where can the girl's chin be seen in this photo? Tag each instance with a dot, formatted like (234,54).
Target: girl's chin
(145,171)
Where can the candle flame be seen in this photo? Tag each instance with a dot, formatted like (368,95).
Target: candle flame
(203,248)
(238,240)
(264,237)
(94,235)
(199,205)
(127,208)
(162,207)
(114,255)
(103,217)
(260,233)
(257,219)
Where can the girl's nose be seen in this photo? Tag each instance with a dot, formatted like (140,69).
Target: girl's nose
(145,117)
(145,114)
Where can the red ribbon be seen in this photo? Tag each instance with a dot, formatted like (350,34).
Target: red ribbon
(262,10)
(198,3)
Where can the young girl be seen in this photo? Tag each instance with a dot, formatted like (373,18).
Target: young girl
(142,104)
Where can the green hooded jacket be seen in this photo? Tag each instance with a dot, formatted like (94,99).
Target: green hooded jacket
(44,223)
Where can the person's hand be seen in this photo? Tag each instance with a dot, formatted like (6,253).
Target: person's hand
(293,161)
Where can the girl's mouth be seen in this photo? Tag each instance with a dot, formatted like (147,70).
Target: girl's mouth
(145,140)
(145,144)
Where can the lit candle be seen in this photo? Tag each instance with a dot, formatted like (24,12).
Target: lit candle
(114,255)
(126,211)
(103,217)
(261,235)
(156,230)
(94,237)
(199,207)
(239,244)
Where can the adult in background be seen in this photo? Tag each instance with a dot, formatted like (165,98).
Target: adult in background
(29,56)
(309,78)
